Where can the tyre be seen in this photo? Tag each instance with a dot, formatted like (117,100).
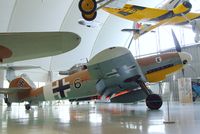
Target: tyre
(27,106)
(87,6)
(89,17)
(154,101)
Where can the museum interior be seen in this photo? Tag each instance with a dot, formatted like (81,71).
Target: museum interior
(99,66)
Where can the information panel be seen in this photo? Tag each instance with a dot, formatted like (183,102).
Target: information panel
(185,90)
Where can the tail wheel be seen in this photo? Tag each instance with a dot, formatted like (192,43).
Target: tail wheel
(87,6)
(89,17)
(27,106)
(154,101)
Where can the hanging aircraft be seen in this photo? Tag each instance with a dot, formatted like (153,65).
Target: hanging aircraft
(175,12)
(17,46)
(110,72)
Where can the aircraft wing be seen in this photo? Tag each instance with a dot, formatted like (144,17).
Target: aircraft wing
(152,15)
(145,14)
(128,96)
(138,13)
(177,20)
(13,90)
(143,30)
(30,45)
(115,68)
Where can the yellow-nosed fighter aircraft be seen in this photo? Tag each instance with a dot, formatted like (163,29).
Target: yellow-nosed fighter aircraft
(110,72)
(175,12)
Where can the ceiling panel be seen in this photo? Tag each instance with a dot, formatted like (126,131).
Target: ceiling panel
(6,9)
(38,15)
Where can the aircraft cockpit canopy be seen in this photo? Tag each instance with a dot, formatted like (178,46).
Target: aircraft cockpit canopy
(74,69)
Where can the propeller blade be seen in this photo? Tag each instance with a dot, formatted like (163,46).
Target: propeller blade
(176,42)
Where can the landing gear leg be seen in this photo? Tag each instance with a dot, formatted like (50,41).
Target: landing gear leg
(153,101)
(7,102)
(194,94)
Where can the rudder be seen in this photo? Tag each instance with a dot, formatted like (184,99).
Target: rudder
(22,82)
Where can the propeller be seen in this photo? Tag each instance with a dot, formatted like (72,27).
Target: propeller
(178,48)
(176,42)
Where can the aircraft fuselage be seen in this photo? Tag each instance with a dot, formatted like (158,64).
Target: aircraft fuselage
(111,71)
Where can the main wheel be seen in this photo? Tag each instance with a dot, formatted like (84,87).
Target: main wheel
(154,101)
(27,106)
(87,6)
(89,17)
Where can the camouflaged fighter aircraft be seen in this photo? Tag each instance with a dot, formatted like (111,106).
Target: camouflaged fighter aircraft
(17,46)
(112,71)
(174,12)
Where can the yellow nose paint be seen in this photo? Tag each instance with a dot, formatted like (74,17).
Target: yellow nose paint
(161,74)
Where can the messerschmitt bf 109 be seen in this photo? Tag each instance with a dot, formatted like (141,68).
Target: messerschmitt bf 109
(110,72)
(174,12)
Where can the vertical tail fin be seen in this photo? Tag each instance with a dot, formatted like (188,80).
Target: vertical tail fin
(23,81)
(20,82)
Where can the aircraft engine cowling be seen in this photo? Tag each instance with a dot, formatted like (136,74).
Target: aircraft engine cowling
(183,8)
(115,69)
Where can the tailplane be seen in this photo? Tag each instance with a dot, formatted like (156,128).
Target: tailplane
(18,85)
(18,90)
(10,70)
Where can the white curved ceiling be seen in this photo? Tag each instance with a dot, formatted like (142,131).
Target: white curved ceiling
(63,15)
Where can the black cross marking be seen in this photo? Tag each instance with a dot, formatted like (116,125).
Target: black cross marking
(61,88)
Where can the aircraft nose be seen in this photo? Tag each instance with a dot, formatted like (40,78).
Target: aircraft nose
(185,57)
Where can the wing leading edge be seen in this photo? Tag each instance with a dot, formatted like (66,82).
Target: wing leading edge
(30,45)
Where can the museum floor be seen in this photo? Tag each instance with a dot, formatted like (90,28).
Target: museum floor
(100,119)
